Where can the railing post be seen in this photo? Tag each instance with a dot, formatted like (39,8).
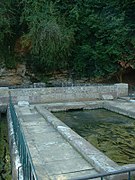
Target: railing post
(129,175)
(19,171)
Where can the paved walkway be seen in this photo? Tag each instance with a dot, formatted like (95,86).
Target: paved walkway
(53,157)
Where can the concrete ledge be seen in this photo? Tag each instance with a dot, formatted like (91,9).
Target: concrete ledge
(124,108)
(95,157)
(65,106)
(101,162)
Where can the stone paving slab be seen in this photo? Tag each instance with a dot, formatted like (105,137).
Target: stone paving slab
(47,151)
(125,108)
(67,166)
(76,174)
(53,157)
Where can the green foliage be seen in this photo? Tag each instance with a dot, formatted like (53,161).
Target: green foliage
(88,37)
(9,12)
(4,26)
(51,39)
(4,21)
(102,37)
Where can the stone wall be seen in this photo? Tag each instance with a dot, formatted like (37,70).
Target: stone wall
(61,94)
(4,97)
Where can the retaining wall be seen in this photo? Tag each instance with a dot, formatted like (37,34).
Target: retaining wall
(62,94)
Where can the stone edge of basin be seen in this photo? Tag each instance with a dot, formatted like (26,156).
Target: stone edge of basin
(95,157)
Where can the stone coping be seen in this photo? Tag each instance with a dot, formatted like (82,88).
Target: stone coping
(64,94)
(100,161)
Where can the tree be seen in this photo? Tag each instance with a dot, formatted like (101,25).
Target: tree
(50,38)
(9,30)
(87,37)
(5,29)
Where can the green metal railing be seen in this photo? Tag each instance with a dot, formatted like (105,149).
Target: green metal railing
(127,173)
(24,154)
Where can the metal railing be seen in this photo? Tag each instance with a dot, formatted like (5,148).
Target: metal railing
(125,172)
(24,154)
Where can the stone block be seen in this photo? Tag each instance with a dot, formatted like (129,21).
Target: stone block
(107,97)
(23,103)
(121,89)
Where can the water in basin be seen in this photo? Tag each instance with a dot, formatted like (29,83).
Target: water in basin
(112,133)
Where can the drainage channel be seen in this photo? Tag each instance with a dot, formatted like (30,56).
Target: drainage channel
(5,165)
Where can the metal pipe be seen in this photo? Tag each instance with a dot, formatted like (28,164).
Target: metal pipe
(128,170)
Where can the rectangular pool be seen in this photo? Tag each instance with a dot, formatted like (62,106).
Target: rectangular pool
(111,133)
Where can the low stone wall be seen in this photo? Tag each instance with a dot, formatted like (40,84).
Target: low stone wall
(4,97)
(62,94)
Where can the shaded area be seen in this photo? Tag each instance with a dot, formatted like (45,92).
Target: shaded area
(111,133)
(5,166)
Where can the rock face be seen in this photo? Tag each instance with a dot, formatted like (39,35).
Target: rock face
(11,77)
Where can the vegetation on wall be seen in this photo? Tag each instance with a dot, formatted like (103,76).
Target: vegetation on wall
(90,38)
